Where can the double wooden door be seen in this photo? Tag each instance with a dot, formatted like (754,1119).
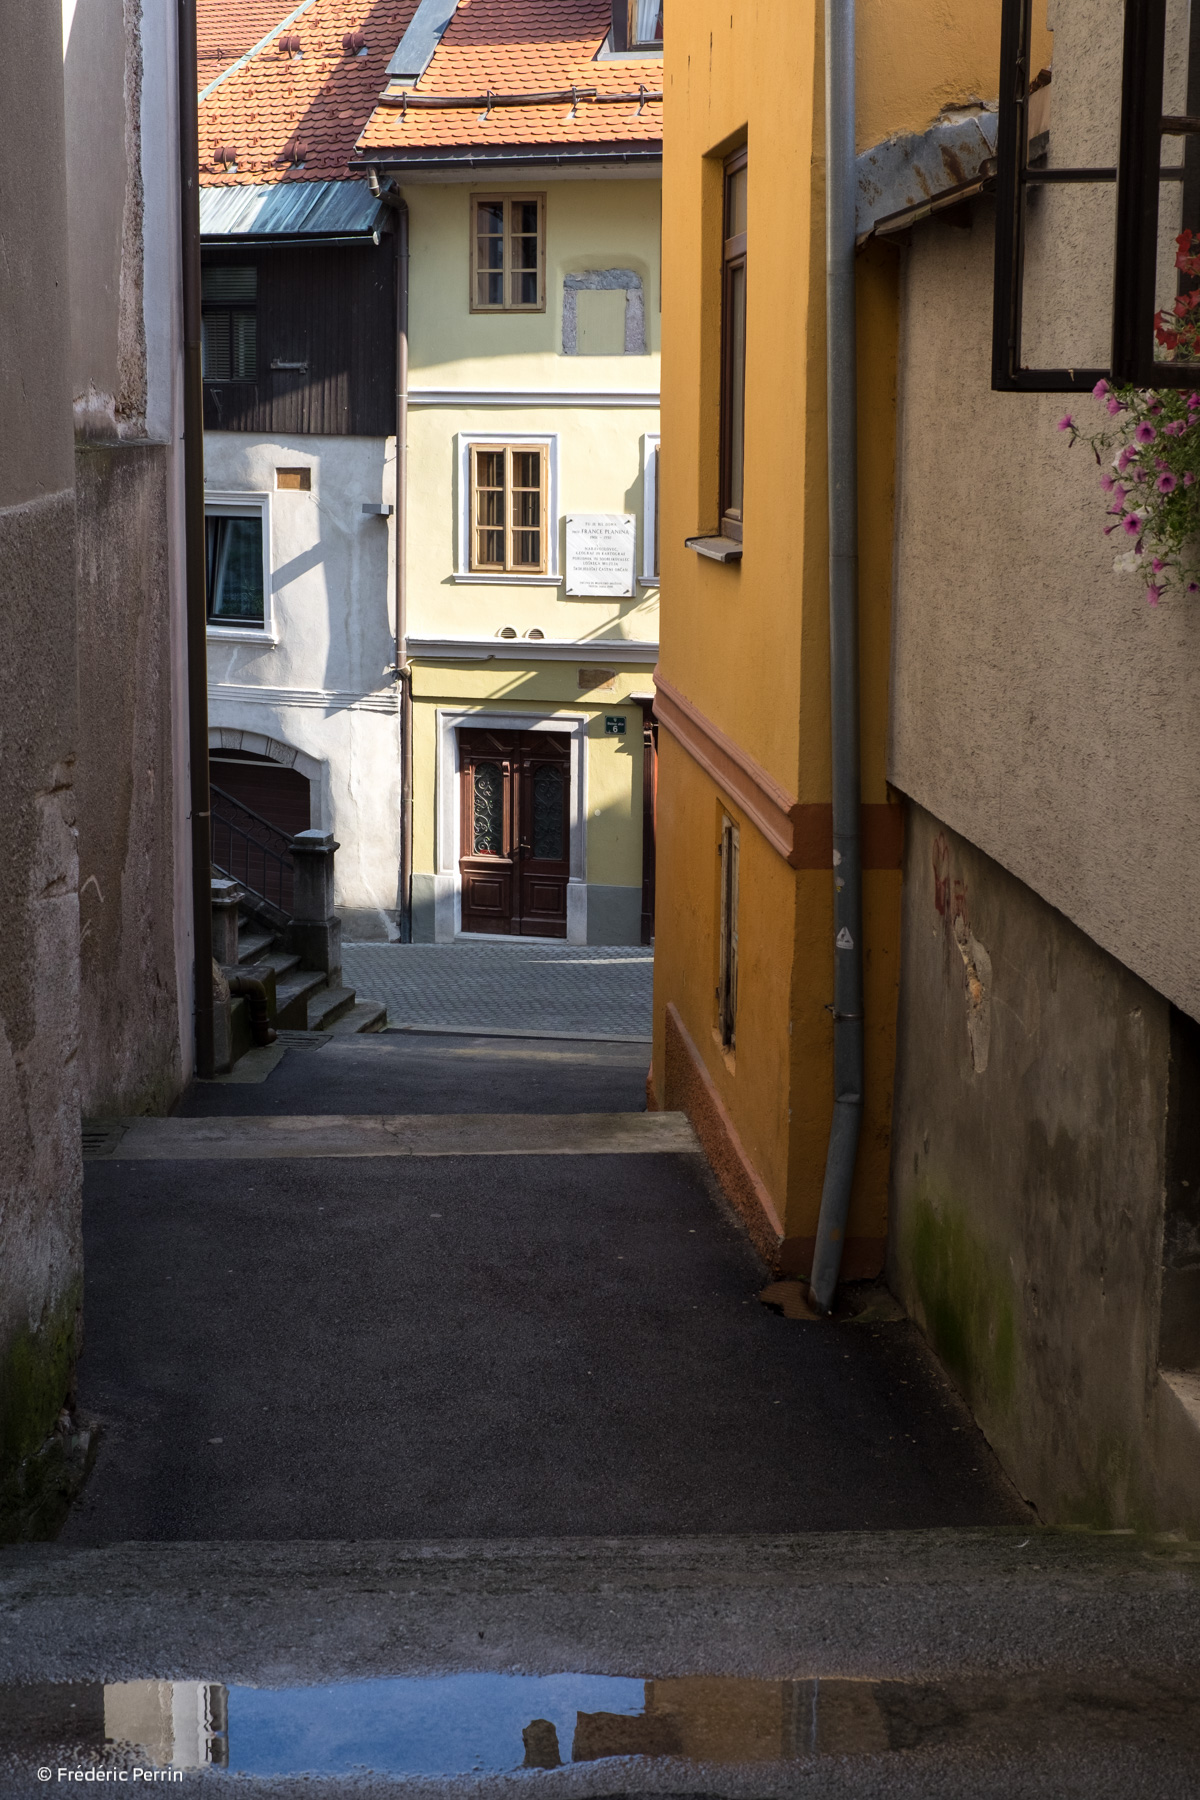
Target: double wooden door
(515,853)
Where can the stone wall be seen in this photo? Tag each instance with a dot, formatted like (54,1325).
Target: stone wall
(40,1172)
(130,1049)
(1029,1174)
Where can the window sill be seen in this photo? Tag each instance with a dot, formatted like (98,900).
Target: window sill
(480,578)
(244,635)
(717,549)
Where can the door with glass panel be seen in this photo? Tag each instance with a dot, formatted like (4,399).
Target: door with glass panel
(515,850)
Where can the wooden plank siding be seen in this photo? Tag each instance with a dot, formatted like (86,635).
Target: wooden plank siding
(332,307)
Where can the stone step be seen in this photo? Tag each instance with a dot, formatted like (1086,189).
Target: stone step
(284,962)
(253,942)
(364,1015)
(328,1006)
(294,994)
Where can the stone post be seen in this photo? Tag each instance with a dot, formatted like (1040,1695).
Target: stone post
(315,933)
(226,897)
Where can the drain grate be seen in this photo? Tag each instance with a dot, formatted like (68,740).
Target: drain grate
(302,1040)
(101,1137)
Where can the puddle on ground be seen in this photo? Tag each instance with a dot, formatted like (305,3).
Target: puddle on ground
(488,1724)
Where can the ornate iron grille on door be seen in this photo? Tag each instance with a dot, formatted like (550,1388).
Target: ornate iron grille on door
(514,859)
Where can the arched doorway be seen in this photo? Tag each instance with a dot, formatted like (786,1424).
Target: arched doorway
(280,796)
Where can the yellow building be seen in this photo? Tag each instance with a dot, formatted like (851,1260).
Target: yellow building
(744,978)
(529,619)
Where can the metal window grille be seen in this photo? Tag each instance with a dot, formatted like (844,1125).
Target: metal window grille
(1141,203)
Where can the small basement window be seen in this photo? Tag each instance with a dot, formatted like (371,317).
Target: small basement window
(229,322)
(235,569)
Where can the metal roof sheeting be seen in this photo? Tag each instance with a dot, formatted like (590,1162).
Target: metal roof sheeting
(290,209)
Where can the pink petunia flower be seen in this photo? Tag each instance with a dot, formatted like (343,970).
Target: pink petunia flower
(1188,478)
(1154,593)
(1100,389)
(1158,565)
(1175,428)
(1131,524)
(1120,493)
(1193,402)
(1066,423)
(1193,587)
(1114,405)
(1166,484)
(1123,461)
(1107,482)
(1143,434)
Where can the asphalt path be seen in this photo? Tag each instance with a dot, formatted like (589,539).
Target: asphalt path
(479,1346)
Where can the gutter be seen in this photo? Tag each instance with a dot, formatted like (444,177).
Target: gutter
(193,513)
(842,402)
(403,668)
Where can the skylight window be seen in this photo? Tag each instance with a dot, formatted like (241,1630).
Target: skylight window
(636,25)
(645,24)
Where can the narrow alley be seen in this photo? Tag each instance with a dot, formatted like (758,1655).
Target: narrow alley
(549,1330)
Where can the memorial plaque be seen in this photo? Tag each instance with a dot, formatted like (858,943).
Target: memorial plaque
(600,555)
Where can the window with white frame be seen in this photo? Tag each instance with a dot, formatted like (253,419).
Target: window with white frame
(650,455)
(508,520)
(237,566)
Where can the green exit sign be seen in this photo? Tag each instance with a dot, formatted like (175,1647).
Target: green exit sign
(614,725)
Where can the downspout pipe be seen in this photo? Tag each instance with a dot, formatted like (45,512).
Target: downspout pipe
(193,508)
(842,403)
(403,666)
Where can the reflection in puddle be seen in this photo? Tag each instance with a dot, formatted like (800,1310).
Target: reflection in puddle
(485,1724)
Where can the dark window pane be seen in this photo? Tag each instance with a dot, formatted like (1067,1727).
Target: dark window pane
(736,389)
(234,570)
(243,335)
(548,812)
(527,468)
(735,204)
(525,218)
(229,287)
(488,798)
(214,345)
(525,289)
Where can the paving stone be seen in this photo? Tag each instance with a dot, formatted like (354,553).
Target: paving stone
(515,984)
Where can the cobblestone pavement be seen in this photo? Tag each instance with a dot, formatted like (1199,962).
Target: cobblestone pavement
(533,987)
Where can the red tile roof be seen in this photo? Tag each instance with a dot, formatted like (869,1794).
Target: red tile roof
(321,98)
(523,46)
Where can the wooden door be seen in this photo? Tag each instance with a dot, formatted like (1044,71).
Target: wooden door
(515,846)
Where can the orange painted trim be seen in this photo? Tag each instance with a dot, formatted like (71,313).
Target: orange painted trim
(801,833)
(690,1089)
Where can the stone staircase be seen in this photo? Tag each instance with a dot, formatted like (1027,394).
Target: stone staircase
(304,999)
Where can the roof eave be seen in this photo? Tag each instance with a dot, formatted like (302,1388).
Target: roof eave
(476,156)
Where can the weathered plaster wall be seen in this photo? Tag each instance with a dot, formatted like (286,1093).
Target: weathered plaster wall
(1028,1184)
(123,239)
(1040,706)
(130,1048)
(102,75)
(40,1248)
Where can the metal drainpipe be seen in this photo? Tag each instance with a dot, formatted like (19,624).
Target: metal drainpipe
(193,504)
(842,400)
(403,666)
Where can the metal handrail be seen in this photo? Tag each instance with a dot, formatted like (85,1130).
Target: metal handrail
(263,871)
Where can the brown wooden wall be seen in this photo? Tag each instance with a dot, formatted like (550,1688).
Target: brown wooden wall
(334,308)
